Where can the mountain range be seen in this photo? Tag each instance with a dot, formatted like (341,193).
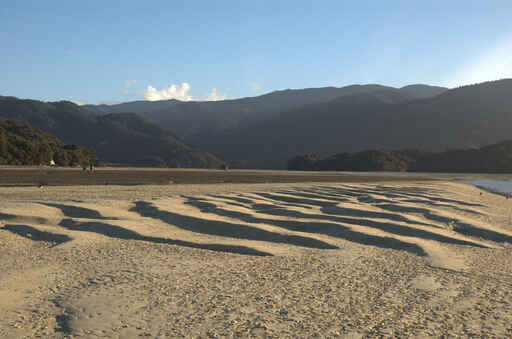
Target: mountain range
(198,120)
(118,138)
(267,130)
(465,117)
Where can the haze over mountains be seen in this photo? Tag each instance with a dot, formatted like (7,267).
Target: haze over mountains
(195,120)
(267,130)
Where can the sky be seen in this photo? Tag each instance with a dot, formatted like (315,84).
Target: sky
(117,51)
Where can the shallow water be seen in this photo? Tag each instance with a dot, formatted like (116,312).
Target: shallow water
(497,186)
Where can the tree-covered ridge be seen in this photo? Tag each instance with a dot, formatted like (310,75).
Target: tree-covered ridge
(460,118)
(117,138)
(22,144)
(197,122)
(496,158)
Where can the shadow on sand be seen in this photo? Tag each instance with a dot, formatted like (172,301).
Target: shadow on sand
(383,226)
(118,232)
(225,229)
(37,235)
(395,193)
(77,212)
(324,228)
(23,218)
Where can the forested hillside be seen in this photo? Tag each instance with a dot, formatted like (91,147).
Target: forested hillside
(465,117)
(199,122)
(265,131)
(125,139)
(22,144)
(495,158)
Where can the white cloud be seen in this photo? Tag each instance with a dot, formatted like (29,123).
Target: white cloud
(173,92)
(255,87)
(180,93)
(214,96)
(80,102)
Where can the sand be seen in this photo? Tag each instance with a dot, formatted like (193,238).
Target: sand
(264,260)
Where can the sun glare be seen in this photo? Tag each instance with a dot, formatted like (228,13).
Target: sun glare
(490,65)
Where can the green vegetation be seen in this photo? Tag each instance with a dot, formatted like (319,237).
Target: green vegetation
(235,129)
(117,138)
(371,160)
(22,144)
(264,131)
(460,118)
(496,158)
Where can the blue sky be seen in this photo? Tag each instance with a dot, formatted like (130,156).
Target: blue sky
(117,51)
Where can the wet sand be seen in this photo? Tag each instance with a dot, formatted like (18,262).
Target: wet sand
(15,176)
(410,258)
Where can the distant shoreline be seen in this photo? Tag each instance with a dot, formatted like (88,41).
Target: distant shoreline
(13,176)
(47,176)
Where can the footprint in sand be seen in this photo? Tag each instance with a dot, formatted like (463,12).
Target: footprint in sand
(425,283)
(442,257)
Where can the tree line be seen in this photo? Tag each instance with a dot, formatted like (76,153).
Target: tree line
(495,158)
(22,144)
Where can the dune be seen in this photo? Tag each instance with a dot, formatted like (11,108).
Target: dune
(255,260)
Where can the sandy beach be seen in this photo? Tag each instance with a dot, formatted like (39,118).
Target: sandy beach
(274,260)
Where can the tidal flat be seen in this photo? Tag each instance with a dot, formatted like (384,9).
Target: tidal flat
(353,259)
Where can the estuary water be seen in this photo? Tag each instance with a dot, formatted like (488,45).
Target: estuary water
(497,186)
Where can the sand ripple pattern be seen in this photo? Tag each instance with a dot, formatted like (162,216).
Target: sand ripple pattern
(352,224)
(407,218)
